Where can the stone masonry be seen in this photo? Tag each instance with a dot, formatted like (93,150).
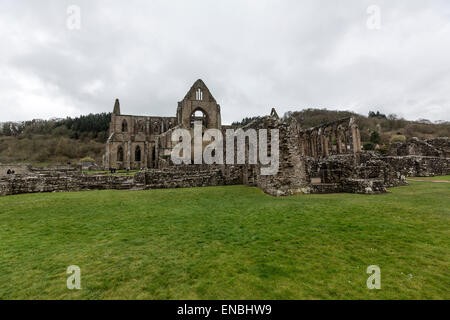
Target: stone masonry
(323,159)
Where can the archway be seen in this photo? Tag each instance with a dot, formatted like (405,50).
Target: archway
(199,115)
(137,154)
(120,154)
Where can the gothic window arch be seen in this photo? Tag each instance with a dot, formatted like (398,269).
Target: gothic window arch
(124,126)
(199,115)
(156,127)
(120,154)
(140,126)
(199,94)
(137,154)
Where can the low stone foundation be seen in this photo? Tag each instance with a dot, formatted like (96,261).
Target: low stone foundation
(57,181)
(350,171)
(189,176)
(419,166)
(361,186)
(176,177)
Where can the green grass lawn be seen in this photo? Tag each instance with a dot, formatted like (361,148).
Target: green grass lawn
(226,243)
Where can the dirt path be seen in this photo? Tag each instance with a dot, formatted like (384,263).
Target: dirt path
(438,181)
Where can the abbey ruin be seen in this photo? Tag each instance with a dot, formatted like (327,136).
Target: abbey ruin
(324,159)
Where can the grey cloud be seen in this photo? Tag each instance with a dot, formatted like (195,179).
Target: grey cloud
(253,55)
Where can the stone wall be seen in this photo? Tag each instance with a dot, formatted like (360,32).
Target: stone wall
(355,173)
(364,186)
(62,181)
(349,185)
(187,176)
(419,166)
(291,176)
(442,144)
(176,177)
(370,172)
(336,137)
(18,169)
(438,147)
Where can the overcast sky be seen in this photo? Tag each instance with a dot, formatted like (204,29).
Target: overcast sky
(253,55)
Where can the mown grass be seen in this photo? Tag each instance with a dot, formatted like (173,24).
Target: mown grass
(226,243)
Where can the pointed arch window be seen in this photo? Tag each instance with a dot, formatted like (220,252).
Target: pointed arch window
(124,126)
(137,154)
(120,154)
(199,115)
(199,94)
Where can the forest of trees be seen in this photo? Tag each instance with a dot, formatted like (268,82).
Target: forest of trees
(92,126)
(55,140)
(244,121)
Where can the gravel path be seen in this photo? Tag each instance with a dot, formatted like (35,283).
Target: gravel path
(438,181)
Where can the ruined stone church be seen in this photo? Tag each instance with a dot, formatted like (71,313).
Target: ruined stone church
(137,142)
(324,159)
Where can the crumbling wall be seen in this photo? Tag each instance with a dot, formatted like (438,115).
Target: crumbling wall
(291,177)
(62,181)
(442,144)
(438,147)
(18,169)
(363,186)
(335,168)
(419,166)
(356,173)
(181,177)
(336,137)
(186,176)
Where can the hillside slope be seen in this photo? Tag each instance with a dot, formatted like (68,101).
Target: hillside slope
(386,126)
(54,141)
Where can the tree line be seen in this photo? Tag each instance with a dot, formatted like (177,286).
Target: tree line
(92,126)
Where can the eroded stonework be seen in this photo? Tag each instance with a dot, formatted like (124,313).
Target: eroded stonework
(323,159)
(137,142)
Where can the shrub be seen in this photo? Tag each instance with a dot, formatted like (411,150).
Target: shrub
(375,137)
(398,138)
(369,146)
(87,159)
(384,150)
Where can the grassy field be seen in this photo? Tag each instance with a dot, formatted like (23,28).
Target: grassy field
(226,243)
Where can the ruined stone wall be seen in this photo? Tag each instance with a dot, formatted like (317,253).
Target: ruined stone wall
(348,171)
(338,137)
(438,147)
(419,166)
(131,132)
(442,144)
(62,181)
(334,168)
(174,177)
(355,173)
(18,169)
(205,103)
(291,176)
(187,176)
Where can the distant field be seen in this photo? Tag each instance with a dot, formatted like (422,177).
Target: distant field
(226,243)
